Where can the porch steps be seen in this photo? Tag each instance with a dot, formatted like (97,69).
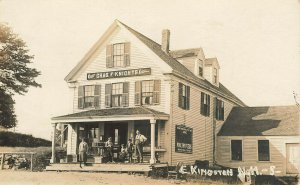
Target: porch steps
(96,167)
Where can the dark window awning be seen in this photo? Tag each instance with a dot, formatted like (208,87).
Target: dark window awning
(114,114)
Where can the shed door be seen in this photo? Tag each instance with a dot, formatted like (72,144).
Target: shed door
(292,157)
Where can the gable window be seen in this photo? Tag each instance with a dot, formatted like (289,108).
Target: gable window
(219,109)
(118,55)
(263,150)
(236,150)
(89,96)
(205,104)
(200,71)
(116,95)
(147,92)
(184,96)
(215,80)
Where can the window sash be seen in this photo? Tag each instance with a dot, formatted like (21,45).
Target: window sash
(263,150)
(236,150)
(147,92)
(118,54)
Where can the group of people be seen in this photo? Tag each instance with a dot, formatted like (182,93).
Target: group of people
(126,151)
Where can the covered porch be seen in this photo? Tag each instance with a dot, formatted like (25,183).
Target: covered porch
(96,126)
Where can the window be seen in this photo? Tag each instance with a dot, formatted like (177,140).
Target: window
(89,96)
(118,55)
(184,96)
(263,150)
(117,94)
(236,150)
(147,92)
(200,71)
(219,109)
(215,76)
(205,104)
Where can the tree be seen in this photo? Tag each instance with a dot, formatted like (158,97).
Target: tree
(16,75)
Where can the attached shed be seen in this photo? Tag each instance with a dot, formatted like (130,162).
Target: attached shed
(261,138)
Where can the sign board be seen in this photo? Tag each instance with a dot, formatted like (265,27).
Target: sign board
(119,74)
(183,139)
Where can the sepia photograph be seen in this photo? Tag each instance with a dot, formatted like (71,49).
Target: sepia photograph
(131,92)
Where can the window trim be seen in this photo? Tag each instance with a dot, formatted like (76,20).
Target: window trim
(120,55)
(184,101)
(219,110)
(230,144)
(258,150)
(203,105)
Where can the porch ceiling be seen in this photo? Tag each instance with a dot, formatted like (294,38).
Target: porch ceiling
(114,114)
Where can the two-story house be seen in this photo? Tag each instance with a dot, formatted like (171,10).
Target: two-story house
(128,82)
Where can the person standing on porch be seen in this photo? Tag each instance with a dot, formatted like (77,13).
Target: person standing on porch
(140,139)
(83,147)
(129,147)
(109,146)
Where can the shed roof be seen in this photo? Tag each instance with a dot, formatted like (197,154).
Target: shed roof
(262,121)
(112,112)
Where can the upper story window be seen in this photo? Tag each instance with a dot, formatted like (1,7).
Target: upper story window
(118,55)
(117,94)
(205,104)
(219,109)
(236,150)
(89,96)
(147,92)
(263,150)
(200,71)
(215,75)
(184,96)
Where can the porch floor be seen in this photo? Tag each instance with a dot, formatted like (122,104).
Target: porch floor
(103,167)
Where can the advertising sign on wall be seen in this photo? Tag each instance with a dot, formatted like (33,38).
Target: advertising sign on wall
(183,139)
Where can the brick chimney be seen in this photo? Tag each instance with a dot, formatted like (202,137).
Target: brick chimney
(165,41)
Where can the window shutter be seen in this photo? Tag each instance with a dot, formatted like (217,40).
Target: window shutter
(97,92)
(107,95)
(137,95)
(187,97)
(109,56)
(208,105)
(156,92)
(180,95)
(80,97)
(202,104)
(125,95)
(216,107)
(126,54)
(222,110)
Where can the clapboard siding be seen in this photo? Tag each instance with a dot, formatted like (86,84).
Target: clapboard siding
(138,59)
(72,141)
(250,152)
(202,126)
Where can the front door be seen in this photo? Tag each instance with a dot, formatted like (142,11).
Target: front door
(117,131)
(292,158)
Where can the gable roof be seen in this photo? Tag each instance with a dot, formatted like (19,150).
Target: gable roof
(176,66)
(182,53)
(262,121)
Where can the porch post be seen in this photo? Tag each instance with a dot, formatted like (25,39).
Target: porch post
(152,158)
(53,143)
(62,136)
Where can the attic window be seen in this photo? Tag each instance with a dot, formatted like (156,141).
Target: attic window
(200,71)
(215,76)
(118,55)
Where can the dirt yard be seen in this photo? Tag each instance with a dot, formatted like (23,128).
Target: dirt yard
(9,177)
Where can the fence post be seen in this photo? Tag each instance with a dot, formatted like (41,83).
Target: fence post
(2,161)
(31,161)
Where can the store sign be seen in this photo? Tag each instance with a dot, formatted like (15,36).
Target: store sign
(119,74)
(183,139)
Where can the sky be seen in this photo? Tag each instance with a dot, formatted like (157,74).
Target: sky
(257,43)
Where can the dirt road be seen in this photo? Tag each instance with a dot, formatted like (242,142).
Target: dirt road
(8,177)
